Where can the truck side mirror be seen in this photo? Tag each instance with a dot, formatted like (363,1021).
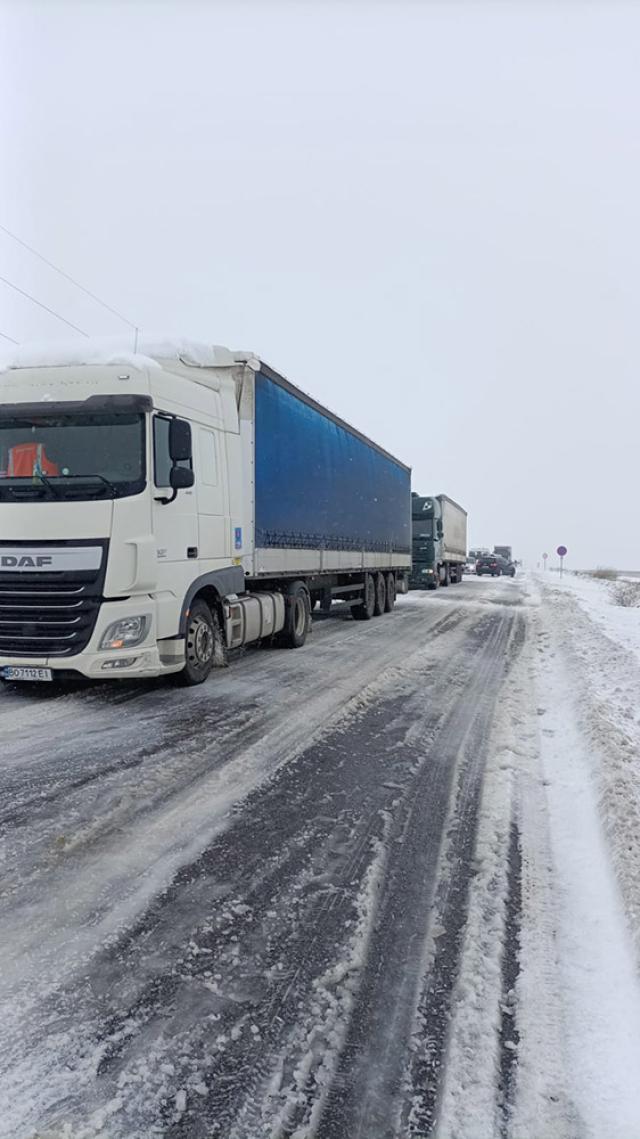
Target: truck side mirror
(181,478)
(179,441)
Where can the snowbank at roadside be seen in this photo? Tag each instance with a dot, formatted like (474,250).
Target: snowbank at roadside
(544,1035)
(600,644)
(596,599)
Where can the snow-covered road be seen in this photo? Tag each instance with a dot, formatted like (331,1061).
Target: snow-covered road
(331,894)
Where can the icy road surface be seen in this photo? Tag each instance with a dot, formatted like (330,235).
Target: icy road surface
(316,898)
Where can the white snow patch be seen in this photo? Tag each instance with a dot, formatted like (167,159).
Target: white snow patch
(577,996)
(468,1098)
(601,989)
(601,646)
(121,349)
(596,599)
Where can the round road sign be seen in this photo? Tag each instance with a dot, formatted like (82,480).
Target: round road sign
(561,551)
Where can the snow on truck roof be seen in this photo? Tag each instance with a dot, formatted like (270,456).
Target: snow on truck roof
(152,351)
(146,353)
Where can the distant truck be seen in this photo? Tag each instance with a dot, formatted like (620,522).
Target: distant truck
(157,509)
(439,549)
(503,552)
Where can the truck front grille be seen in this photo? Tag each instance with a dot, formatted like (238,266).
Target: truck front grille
(46,620)
(49,614)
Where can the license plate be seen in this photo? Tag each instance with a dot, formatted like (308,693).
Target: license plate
(11,673)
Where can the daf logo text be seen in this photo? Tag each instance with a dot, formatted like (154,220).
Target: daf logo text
(10,561)
(50,559)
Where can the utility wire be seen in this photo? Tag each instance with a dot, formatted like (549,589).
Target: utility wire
(62,273)
(5,337)
(45,307)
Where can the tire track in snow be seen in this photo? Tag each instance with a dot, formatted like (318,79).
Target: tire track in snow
(258,1045)
(449,916)
(52,1014)
(425,887)
(88,799)
(509,1032)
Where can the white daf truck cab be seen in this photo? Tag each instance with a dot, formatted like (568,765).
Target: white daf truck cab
(105,538)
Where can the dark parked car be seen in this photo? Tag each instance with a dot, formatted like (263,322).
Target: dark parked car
(495,565)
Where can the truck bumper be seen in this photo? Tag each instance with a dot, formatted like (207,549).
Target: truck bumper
(136,661)
(423,579)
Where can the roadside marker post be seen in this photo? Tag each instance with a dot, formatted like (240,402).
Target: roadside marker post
(544,558)
(562,553)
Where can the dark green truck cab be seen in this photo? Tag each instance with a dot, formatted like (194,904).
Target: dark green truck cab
(439,541)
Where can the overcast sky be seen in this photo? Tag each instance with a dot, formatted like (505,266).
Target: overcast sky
(425,214)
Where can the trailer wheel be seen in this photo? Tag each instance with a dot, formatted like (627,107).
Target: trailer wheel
(381,595)
(365,610)
(390,598)
(204,645)
(298,616)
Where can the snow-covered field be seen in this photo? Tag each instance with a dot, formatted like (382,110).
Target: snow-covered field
(387,886)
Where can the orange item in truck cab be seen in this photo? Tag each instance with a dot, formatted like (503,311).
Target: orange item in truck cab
(29,459)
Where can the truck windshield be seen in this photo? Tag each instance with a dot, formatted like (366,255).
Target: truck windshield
(72,456)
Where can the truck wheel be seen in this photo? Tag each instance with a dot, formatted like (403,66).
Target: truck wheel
(381,595)
(390,598)
(365,610)
(445,577)
(298,616)
(204,645)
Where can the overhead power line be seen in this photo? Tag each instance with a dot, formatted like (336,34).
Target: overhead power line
(67,277)
(45,307)
(5,337)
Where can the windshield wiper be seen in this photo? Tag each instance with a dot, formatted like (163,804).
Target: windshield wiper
(47,482)
(101,478)
(29,487)
(107,482)
(35,485)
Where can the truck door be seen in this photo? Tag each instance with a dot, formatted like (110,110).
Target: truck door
(175,525)
(212,492)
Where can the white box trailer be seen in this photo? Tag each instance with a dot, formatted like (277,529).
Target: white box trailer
(454,531)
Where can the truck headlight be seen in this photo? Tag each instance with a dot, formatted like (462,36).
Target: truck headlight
(125,633)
